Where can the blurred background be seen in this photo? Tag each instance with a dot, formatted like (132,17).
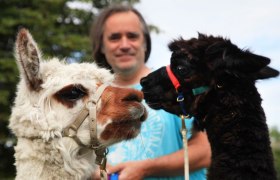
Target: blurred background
(61,28)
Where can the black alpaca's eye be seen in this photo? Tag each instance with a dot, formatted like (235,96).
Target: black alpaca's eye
(71,93)
(182,70)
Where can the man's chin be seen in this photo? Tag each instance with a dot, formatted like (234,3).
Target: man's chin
(128,68)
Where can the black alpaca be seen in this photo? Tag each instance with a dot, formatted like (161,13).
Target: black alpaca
(229,109)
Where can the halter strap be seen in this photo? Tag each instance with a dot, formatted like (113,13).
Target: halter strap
(172,77)
(90,110)
(71,129)
(199,90)
(92,107)
(100,151)
(176,83)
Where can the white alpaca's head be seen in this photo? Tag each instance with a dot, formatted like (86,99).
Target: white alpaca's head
(51,93)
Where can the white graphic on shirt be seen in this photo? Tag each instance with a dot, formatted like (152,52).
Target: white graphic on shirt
(143,146)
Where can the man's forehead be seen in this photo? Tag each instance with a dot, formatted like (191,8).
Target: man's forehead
(125,20)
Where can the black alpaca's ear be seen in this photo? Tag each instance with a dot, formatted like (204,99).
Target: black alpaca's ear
(249,63)
(266,72)
(245,61)
(173,46)
(176,44)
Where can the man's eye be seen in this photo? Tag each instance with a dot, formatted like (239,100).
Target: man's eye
(132,36)
(114,37)
(72,93)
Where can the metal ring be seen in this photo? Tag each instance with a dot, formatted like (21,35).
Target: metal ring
(180,99)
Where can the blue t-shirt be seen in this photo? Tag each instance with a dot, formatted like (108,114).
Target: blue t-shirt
(160,135)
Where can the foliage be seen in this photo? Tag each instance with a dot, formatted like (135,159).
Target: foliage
(275,140)
(276,154)
(59,31)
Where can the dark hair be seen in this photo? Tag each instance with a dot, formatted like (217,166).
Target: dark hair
(97,29)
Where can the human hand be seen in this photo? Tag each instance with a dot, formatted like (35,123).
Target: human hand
(96,174)
(133,170)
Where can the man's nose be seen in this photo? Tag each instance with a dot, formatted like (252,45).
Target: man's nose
(125,43)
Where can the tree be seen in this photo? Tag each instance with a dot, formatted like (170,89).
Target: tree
(59,31)
(275,141)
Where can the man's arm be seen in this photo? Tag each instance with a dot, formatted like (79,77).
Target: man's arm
(199,151)
(168,165)
(173,164)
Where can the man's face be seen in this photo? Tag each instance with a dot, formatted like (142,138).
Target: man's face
(123,42)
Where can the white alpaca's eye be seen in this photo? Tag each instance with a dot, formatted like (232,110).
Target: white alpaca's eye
(71,93)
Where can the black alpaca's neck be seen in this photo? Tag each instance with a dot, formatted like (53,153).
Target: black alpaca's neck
(239,137)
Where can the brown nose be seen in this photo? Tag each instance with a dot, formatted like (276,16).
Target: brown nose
(134,95)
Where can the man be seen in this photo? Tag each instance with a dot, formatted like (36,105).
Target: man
(122,43)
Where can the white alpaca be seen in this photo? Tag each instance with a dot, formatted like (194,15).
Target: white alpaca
(50,95)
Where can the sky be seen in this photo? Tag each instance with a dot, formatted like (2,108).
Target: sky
(250,24)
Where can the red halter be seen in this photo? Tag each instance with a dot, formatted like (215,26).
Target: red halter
(172,77)
(176,84)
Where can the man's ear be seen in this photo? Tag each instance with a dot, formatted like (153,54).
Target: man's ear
(145,46)
(102,49)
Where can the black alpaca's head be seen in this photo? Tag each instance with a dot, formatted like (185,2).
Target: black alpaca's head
(206,61)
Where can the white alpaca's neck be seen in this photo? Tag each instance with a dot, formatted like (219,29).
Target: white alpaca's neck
(36,159)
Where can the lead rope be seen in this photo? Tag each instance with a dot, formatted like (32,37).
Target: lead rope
(184,131)
(180,100)
(185,144)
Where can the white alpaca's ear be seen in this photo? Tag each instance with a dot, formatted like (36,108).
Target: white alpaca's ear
(28,59)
